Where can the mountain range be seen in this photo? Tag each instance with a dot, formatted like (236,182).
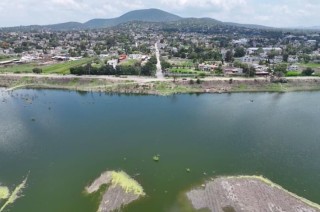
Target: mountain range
(144,15)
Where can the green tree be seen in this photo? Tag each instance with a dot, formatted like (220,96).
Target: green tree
(281,68)
(37,70)
(239,52)
(229,56)
(307,72)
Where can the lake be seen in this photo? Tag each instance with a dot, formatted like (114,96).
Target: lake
(67,139)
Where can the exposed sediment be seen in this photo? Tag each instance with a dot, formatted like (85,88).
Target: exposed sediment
(247,194)
(167,86)
(121,191)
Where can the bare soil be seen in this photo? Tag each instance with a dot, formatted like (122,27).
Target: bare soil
(247,194)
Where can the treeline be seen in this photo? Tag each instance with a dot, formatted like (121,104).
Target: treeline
(149,69)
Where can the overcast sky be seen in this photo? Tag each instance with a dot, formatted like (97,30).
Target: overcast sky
(278,13)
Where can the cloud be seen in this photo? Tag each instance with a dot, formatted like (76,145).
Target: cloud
(70,4)
(196,4)
(271,12)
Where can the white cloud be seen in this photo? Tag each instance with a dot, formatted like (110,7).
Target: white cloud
(222,4)
(271,12)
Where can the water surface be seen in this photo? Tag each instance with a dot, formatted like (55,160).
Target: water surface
(66,139)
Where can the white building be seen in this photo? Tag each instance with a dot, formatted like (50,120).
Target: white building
(113,63)
(293,68)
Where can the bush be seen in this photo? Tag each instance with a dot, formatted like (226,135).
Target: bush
(307,72)
(292,74)
(191,82)
(198,81)
(37,70)
(202,74)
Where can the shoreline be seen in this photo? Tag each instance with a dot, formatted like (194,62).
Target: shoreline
(250,192)
(155,86)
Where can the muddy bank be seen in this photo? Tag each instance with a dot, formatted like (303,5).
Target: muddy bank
(247,194)
(136,85)
(121,190)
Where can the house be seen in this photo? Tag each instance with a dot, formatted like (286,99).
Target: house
(113,63)
(293,68)
(135,56)
(122,57)
(233,71)
(249,59)
(293,59)
(207,67)
(261,70)
(265,50)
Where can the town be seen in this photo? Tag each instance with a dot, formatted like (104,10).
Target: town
(127,48)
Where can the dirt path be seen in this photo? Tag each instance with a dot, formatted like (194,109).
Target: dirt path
(159,73)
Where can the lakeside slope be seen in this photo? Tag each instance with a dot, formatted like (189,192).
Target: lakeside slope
(149,85)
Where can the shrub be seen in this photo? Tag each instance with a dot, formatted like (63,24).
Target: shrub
(37,70)
(307,72)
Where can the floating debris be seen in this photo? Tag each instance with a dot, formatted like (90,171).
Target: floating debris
(121,191)
(188,170)
(247,193)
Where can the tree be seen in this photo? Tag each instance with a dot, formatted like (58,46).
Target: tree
(251,72)
(239,52)
(307,72)
(37,70)
(229,56)
(281,68)
(285,57)
(306,58)
(148,69)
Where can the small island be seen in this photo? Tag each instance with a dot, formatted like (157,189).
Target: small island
(247,193)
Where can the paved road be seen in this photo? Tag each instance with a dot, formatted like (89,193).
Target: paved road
(159,73)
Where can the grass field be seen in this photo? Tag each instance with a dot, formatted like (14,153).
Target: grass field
(64,68)
(128,62)
(181,62)
(310,65)
(5,58)
(185,71)
(59,68)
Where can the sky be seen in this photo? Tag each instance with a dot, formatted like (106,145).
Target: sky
(277,13)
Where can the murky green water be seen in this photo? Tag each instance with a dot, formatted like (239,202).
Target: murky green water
(66,139)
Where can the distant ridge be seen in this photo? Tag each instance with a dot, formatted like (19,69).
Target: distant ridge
(144,15)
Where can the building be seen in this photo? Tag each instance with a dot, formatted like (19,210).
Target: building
(233,71)
(207,67)
(293,68)
(113,63)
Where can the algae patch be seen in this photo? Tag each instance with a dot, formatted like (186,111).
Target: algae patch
(121,190)
(4,192)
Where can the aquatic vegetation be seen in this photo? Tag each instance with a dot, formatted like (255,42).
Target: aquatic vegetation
(188,170)
(156,158)
(15,194)
(127,183)
(4,192)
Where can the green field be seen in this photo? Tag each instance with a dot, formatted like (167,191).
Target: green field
(185,71)
(64,68)
(181,62)
(310,65)
(6,58)
(129,62)
(59,68)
